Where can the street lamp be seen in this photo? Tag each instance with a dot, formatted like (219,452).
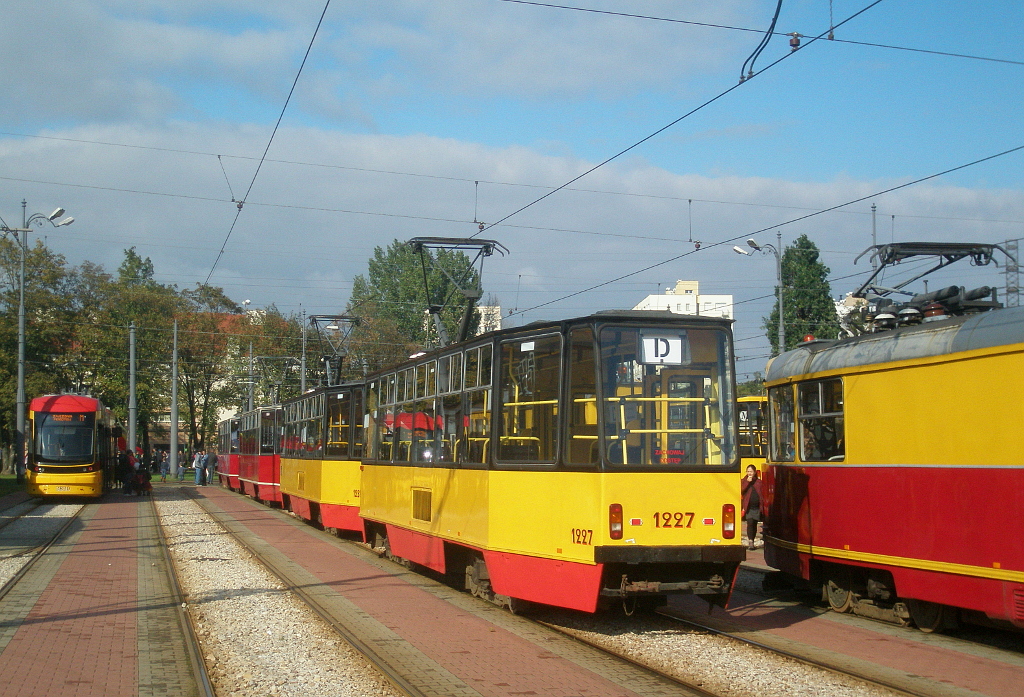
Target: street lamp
(774,249)
(21,237)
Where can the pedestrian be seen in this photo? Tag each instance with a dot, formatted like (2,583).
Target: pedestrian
(211,467)
(165,466)
(182,464)
(201,468)
(751,489)
(124,472)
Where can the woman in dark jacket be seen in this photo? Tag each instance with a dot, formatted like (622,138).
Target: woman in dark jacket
(751,486)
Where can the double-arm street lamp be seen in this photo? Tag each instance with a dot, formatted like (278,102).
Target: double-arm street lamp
(775,249)
(21,237)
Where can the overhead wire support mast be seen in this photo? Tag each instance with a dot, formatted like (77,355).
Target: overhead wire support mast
(471,290)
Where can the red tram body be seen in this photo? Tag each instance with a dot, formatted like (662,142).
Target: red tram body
(259,457)
(227,455)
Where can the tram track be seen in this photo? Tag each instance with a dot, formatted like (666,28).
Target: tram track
(33,550)
(392,674)
(791,655)
(193,646)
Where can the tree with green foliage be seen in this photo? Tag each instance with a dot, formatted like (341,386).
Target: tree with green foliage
(394,291)
(806,297)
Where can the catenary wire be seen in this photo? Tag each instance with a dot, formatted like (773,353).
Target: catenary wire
(270,141)
(772,227)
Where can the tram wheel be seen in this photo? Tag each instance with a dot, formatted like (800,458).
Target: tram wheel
(931,617)
(839,597)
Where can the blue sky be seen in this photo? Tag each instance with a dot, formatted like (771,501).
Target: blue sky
(404,105)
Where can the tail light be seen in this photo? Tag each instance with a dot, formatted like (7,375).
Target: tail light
(729,521)
(615,521)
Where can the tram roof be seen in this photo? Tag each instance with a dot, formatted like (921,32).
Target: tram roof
(65,403)
(955,335)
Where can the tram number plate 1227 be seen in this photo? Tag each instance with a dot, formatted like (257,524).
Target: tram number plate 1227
(673,520)
(582,537)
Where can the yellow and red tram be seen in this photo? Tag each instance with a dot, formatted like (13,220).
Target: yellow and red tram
(73,444)
(895,475)
(321,471)
(562,462)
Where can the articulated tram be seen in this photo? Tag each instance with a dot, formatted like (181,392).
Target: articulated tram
(895,476)
(565,463)
(73,443)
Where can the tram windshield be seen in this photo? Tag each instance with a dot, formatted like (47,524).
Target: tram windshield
(64,439)
(667,397)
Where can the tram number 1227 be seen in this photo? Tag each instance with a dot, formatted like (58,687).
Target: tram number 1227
(673,520)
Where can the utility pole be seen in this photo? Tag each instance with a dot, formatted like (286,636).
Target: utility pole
(252,384)
(302,363)
(174,403)
(133,405)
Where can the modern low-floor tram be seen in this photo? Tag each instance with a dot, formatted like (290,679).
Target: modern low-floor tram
(73,445)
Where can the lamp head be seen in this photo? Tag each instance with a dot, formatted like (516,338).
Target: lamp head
(56,214)
(741,250)
(66,221)
(755,245)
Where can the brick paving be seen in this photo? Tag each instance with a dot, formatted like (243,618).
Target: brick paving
(447,642)
(96,616)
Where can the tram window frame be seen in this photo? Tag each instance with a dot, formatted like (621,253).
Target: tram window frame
(536,421)
(821,415)
(638,362)
(781,406)
(582,445)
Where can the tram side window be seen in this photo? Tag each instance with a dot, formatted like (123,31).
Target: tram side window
(780,405)
(338,424)
(582,445)
(478,426)
(530,372)
(357,423)
(821,420)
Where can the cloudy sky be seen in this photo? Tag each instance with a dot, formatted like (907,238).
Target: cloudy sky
(147,119)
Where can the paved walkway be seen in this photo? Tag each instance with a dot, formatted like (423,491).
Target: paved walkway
(445,641)
(95,615)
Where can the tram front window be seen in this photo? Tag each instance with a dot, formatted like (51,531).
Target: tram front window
(667,397)
(64,439)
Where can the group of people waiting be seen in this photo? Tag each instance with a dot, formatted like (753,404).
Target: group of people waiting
(135,474)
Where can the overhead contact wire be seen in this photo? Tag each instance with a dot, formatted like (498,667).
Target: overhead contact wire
(667,126)
(259,166)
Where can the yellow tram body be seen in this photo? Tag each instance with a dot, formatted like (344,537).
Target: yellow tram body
(534,513)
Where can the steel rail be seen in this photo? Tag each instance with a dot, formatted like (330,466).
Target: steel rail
(390,673)
(37,551)
(197,658)
(685,684)
(806,660)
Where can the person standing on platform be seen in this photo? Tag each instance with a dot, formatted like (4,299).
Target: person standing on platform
(211,467)
(165,466)
(751,488)
(200,464)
